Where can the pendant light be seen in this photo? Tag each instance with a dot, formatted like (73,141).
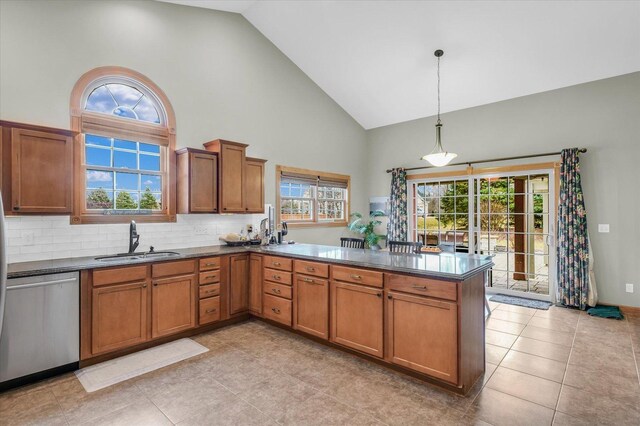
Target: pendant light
(438,156)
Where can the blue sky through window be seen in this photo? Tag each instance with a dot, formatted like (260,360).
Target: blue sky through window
(123,101)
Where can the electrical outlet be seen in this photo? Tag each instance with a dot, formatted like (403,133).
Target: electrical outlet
(603,227)
(629,288)
(200,230)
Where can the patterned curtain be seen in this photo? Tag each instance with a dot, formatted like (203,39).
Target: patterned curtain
(398,200)
(573,241)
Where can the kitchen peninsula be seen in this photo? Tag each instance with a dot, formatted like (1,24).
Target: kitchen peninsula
(422,314)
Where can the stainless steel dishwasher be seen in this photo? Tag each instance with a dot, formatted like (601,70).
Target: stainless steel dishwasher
(40,334)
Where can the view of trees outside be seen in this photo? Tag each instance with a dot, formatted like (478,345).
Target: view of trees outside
(298,200)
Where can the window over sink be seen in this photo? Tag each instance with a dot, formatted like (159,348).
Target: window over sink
(125,146)
(312,198)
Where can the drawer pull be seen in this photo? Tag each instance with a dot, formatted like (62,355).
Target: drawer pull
(276,277)
(311,269)
(420,287)
(276,290)
(210,264)
(276,264)
(209,291)
(210,311)
(276,310)
(356,277)
(144,285)
(308,280)
(210,277)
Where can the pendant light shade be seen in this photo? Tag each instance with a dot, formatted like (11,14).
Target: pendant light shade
(438,156)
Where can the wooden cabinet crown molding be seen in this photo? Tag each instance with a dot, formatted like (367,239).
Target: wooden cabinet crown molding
(37,128)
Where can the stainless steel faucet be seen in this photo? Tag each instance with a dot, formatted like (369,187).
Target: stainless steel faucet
(134,237)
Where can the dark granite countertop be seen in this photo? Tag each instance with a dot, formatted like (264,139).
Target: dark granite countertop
(443,265)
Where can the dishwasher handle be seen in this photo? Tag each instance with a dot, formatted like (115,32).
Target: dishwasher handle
(42,284)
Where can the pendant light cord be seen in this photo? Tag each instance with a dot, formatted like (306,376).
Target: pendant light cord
(438,89)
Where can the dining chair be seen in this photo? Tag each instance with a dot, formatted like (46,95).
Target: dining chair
(352,242)
(407,247)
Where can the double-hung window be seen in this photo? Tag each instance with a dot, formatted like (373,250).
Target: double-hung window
(312,198)
(125,149)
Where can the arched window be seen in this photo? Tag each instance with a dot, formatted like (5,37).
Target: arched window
(124,154)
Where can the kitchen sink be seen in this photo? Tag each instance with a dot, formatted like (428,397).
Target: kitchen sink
(138,256)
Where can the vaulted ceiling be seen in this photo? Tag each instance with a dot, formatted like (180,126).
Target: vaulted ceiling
(375,58)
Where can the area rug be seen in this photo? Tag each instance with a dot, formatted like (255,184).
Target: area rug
(117,370)
(606,312)
(521,301)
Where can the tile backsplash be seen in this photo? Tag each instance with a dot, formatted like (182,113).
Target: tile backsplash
(53,237)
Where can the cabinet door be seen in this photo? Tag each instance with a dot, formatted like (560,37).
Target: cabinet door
(232,160)
(255,284)
(311,305)
(173,305)
(41,172)
(356,317)
(254,186)
(423,335)
(239,284)
(203,183)
(118,316)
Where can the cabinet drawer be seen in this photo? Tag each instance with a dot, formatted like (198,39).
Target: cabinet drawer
(277,309)
(209,290)
(422,286)
(209,277)
(280,263)
(277,290)
(209,263)
(358,276)
(119,275)
(209,310)
(277,276)
(312,268)
(183,267)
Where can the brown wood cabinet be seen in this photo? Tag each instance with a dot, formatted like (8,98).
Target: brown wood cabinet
(240,179)
(238,284)
(357,317)
(255,284)
(311,305)
(254,185)
(173,307)
(422,335)
(32,155)
(197,183)
(118,316)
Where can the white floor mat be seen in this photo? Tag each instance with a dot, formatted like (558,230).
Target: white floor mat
(114,371)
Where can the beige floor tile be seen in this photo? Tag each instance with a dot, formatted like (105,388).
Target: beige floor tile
(543,349)
(525,386)
(517,309)
(562,419)
(499,338)
(33,408)
(552,324)
(494,354)
(140,413)
(546,335)
(597,408)
(618,360)
(180,401)
(534,365)
(239,413)
(511,316)
(504,326)
(568,316)
(489,369)
(596,380)
(499,409)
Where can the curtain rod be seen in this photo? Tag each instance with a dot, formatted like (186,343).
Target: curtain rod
(520,157)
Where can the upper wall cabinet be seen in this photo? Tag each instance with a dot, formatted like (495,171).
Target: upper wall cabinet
(197,181)
(241,180)
(36,169)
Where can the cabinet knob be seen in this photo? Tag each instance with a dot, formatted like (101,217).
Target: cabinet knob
(155,284)
(389,297)
(379,294)
(144,286)
(16,208)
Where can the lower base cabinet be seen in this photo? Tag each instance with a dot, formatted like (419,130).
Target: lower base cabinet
(311,306)
(118,316)
(255,284)
(238,284)
(173,305)
(209,310)
(422,335)
(357,317)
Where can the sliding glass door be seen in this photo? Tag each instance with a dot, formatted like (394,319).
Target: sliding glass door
(509,216)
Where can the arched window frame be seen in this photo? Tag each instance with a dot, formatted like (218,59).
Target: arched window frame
(163,134)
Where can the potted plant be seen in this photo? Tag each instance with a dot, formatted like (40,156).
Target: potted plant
(367,229)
